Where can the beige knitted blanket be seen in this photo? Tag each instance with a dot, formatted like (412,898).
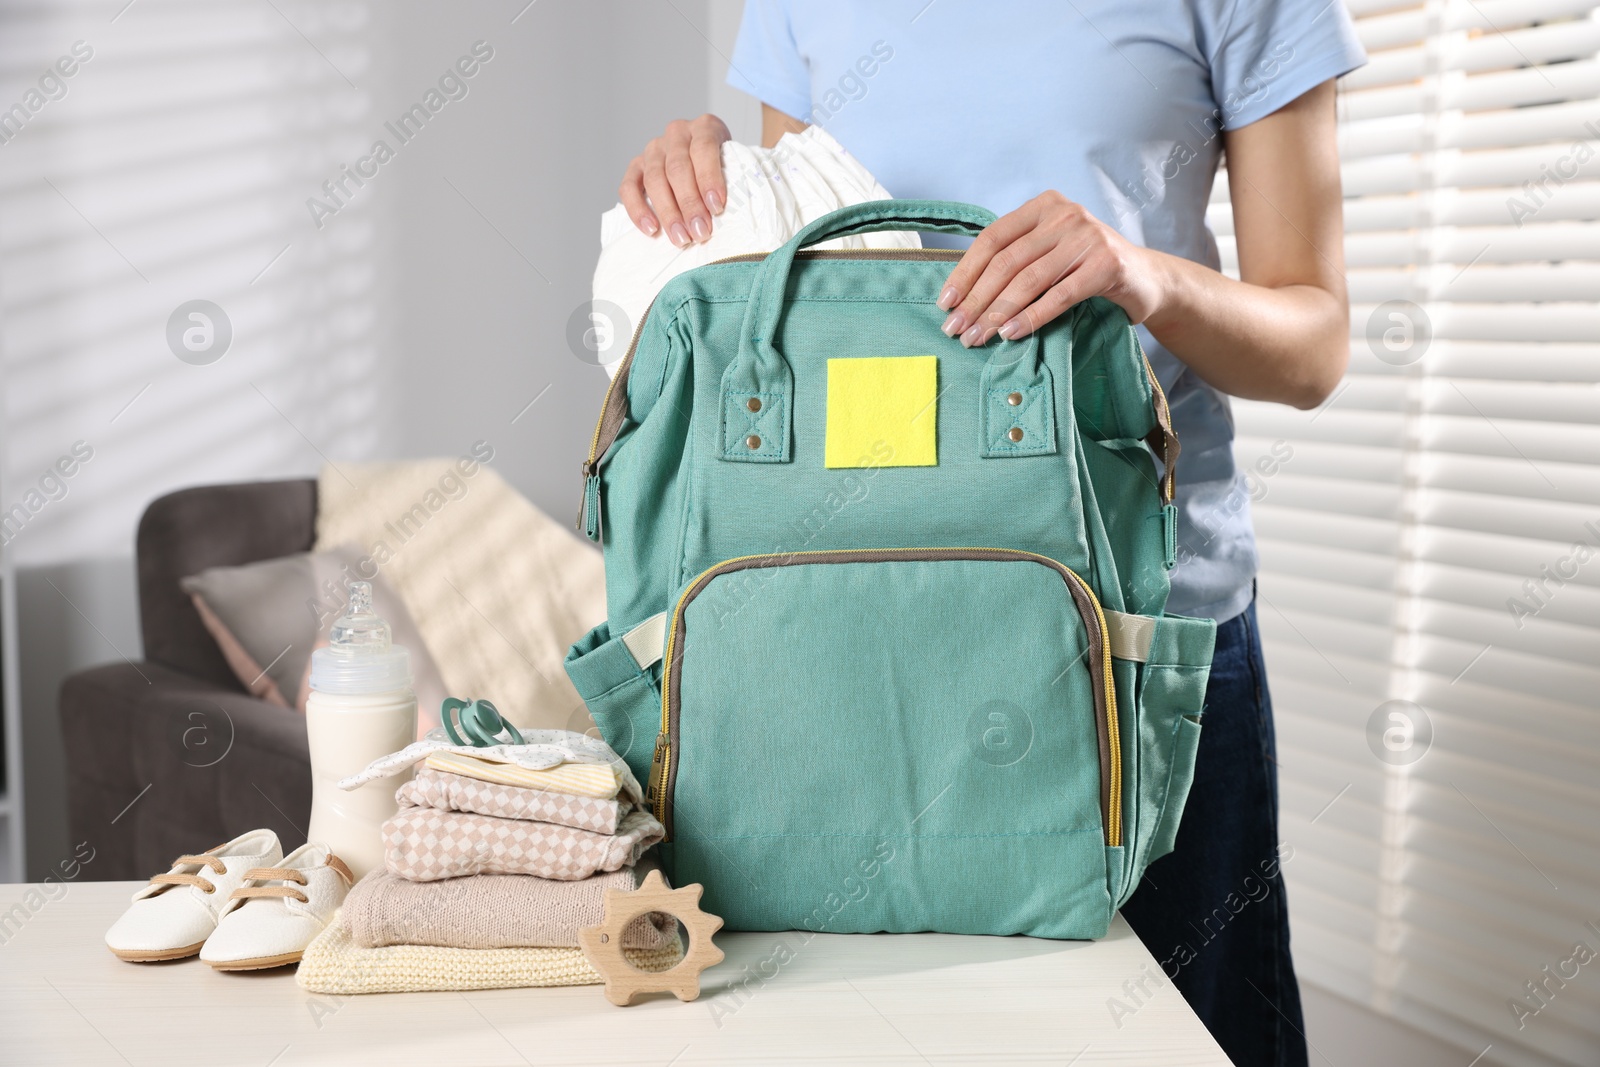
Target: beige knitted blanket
(334,964)
(494,911)
(498,589)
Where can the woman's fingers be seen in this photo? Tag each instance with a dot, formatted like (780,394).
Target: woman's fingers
(1018,304)
(996,236)
(662,199)
(705,153)
(1076,285)
(1034,263)
(631,193)
(1014,275)
(675,185)
(679,169)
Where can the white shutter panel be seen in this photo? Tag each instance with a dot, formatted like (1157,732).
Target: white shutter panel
(1416,507)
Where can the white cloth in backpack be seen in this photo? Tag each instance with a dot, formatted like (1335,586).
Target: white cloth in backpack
(772,193)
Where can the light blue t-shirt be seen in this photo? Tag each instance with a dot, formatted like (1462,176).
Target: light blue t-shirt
(1115,103)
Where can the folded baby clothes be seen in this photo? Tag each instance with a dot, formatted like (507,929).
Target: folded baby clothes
(454,792)
(493,911)
(541,750)
(579,779)
(334,963)
(426,844)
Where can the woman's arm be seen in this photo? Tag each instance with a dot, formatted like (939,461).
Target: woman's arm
(774,124)
(1281,333)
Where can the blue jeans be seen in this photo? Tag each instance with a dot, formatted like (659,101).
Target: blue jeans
(1213,910)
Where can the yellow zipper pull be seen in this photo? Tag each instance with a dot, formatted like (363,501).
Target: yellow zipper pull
(654,792)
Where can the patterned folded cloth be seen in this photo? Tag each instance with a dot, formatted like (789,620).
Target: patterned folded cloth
(426,844)
(454,792)
(542,750)
(493,911)
(579,779)
(333,963)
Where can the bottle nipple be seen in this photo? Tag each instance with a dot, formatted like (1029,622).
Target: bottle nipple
(359,658)
(358,630)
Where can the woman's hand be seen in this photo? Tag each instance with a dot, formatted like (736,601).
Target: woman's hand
(1031,265)
(675,185)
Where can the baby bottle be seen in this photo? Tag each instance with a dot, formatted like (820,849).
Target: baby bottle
(361,706)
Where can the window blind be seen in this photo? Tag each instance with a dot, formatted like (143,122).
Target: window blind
(1430,541)
(173,165)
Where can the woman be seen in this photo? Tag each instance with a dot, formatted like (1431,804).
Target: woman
(1095,127)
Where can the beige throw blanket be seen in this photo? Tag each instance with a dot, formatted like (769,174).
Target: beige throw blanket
(494,911)
(497,589)
(333,963)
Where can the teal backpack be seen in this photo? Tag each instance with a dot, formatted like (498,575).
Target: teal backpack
(886,636)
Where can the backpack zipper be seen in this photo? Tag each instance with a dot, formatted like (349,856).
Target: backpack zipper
(664,759)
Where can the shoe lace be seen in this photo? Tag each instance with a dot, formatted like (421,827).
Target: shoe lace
(210,862)
(271,874)
(284,874)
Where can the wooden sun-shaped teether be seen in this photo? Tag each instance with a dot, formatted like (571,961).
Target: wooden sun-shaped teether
(603,943)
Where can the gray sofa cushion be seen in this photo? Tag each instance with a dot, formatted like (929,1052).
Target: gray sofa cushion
(187,531)
(268,616)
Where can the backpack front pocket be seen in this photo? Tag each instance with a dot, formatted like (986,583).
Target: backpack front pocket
(891,739)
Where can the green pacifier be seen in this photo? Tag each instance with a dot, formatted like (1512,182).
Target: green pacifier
(479,720)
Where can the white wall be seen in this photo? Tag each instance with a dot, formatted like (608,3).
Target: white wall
(420,317)
(499,219)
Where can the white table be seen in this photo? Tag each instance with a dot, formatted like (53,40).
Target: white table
(882,1000)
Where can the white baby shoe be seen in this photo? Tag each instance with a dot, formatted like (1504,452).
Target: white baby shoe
(172,916)
(278,911)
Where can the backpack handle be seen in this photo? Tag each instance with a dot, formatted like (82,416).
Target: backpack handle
(760,371)
(874,216)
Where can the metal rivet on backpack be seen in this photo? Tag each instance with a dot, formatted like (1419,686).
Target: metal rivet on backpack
(754,403)
(1015,434)
(1014,399)
(752,442)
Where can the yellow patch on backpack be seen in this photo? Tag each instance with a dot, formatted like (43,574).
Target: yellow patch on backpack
(883,412)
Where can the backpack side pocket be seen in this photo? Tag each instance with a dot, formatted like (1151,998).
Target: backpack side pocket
(1171,687)
(623,697)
